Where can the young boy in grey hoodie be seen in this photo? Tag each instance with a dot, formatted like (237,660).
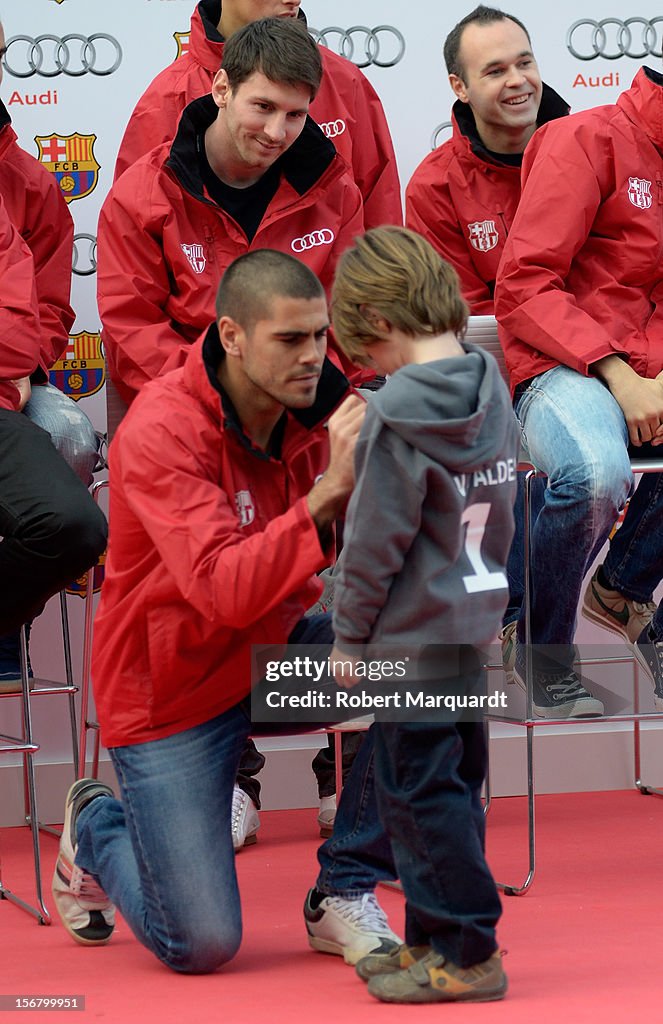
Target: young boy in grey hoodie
(426,540)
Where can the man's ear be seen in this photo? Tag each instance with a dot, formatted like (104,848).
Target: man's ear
(230,335)
(375,318)
(221,88)
(458,86)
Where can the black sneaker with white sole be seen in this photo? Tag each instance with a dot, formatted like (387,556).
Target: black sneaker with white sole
(83,906)
(556,693)
(649,652)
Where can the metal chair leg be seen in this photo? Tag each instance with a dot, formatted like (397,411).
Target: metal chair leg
(637,751)
(27,747)
(86,723)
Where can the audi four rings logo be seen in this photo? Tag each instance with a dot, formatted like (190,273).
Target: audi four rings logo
(323,237)
(437,137)
(612,38)
(85,255)
(333,128)
(73,54)
(383,45)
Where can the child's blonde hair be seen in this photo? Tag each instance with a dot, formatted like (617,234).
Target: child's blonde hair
(397,272)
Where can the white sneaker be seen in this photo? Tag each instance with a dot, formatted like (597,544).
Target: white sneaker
(351,928)
(83,906)
(245,821)
(327,815)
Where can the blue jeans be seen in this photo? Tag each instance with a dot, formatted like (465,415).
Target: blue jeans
(575,432)
(70,430)
(428,782)
(164,854)
(358,855)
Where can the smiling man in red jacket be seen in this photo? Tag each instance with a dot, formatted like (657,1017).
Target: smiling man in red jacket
(225,486)
(346,106)
(463,196)
(248,169)
(579,299)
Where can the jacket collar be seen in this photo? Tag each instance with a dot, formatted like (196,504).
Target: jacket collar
(643,104)
(552,106)
(200,378)
(302,165)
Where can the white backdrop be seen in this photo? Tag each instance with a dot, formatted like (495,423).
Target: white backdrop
(65,86)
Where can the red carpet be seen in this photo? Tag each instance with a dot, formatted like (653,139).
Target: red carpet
(583,944)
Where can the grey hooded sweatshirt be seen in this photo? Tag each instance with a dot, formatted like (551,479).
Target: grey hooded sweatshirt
(430,520)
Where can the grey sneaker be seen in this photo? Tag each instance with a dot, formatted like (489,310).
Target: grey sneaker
(386,963)
(435,979)
(245,821)
(557,694)
(613,611)
(508,640)
(649,653)
(83,906)
(351,928)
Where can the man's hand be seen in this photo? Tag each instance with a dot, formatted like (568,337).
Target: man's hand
(22,385)
(343,668)
(326,500)
(640,399)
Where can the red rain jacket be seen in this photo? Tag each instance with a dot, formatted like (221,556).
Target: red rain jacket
(38,211)
(19,318)
(463,201)
(212,549)
(582,272)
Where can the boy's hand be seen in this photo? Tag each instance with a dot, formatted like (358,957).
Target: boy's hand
(326,500)
(343,668)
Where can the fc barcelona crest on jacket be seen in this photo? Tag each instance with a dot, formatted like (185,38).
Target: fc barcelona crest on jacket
(246,510)
(483,235)
(182,40)
(639,192)
(82,370)
(196,256)
(71,159)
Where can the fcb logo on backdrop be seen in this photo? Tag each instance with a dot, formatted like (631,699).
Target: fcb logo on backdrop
(71,159)
(79,587)
(639,192)
(182,39)
(81,371)
(483,235)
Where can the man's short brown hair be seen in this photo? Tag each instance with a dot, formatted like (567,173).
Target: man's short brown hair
(397,272)
(253,280)
(280,48)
